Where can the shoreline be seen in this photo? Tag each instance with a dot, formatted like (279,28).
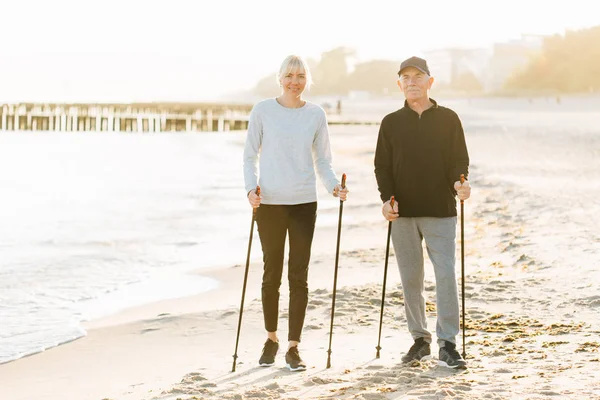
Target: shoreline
(83,325)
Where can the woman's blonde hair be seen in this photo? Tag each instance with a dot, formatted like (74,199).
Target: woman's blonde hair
(293,63)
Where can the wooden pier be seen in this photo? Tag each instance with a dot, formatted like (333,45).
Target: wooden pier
(135,117)
(138,117)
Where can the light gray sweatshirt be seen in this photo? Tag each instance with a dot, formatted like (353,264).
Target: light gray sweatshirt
(291,144)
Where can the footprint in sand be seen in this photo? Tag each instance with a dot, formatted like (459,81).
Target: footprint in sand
(193,377)
(462,387)
(233,397)
(227,314)
(511,246)
(423,394)
(372,396)
(592,301)
(314,327)
(321,381)
(386,374)
(271,391)
(375,379)
(148,330)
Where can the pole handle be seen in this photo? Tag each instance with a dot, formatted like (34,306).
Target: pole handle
(258,194)
(392,201)
(343,181)
(462,180)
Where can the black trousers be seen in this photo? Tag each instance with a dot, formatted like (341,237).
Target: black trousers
(274,223)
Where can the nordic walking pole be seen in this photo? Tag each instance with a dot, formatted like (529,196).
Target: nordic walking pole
(462,264)
(387,255)
(337,255)
(237,340)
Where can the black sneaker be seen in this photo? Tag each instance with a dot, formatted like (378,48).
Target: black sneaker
(293,360)
(420,350)
(451,358)
(269,352)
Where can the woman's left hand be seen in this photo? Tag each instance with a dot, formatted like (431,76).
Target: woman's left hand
(339,192)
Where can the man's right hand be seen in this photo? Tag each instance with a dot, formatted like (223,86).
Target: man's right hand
(253,199)
(388,212)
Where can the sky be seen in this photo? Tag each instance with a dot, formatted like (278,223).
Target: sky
(131,50)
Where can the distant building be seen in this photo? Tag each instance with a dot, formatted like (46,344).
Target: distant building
(453,68)
(448,66)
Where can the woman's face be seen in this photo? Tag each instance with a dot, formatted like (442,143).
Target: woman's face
(294,82)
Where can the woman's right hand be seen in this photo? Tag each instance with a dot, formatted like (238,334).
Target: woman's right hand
(254,199)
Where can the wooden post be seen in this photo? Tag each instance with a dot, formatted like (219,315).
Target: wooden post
(16,119)
(75,122)
(111,120)
(157,123)
(10,121)
(138,124)
(228,118)
(98,120)
(3,127)
(209,121)
(198,119)
(29,120)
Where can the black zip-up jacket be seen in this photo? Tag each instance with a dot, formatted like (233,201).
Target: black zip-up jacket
(418,159)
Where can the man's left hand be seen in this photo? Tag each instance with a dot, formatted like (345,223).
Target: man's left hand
(463,190)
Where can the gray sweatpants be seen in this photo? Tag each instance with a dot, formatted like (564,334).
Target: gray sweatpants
(440,241)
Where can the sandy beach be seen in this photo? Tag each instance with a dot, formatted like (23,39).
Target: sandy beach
(532,300)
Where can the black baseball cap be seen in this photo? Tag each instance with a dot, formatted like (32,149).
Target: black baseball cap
(415,62)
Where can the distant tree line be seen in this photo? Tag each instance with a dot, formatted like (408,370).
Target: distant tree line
(331,76)
(567,64)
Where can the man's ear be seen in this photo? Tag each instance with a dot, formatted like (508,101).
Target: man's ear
(431,80)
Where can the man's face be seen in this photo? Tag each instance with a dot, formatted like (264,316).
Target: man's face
(414,83)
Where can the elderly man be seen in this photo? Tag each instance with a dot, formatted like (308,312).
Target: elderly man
(421,153)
